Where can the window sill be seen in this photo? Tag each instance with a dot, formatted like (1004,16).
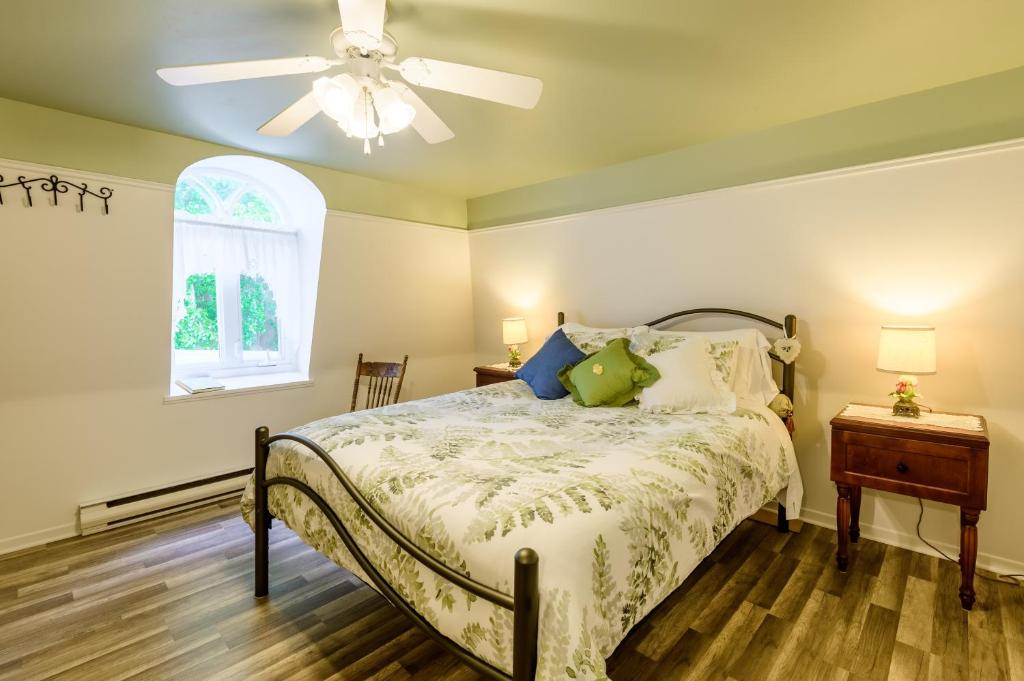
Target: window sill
(242,385)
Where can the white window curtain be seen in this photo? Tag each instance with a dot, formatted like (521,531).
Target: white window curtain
(229,252)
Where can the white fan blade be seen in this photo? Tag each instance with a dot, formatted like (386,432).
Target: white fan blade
(472,81)
(362,22)
(241,70)
(427,123)
(292,118)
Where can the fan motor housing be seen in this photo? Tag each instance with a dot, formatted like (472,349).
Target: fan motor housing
(343,48)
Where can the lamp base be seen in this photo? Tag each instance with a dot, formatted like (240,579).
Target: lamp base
(908,409)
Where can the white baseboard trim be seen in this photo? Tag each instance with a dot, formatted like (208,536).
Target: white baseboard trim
(37,538)
(887,535)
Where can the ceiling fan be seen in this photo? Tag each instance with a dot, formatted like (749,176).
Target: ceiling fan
(364,100)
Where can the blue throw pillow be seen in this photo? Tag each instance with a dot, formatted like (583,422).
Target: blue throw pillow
(541,371)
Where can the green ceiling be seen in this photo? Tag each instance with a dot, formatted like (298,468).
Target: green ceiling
(623,80)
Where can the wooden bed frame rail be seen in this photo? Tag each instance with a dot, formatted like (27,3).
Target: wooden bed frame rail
(525,600)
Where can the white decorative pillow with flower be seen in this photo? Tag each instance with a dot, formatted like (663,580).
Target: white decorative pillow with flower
(690,382)
(591,339)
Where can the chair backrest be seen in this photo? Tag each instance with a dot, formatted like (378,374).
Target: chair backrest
(383,384)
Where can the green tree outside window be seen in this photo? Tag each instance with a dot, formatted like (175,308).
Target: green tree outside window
(197,330)
(223,186)
(189,199)
(253,207)
(259,314)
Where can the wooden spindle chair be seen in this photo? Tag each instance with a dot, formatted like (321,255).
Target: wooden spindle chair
(384,382)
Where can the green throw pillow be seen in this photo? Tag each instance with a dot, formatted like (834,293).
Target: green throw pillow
(611,377)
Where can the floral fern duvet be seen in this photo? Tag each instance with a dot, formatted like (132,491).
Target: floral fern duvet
(619,504)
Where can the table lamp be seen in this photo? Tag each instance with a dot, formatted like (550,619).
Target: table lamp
(907,351)
(513,332)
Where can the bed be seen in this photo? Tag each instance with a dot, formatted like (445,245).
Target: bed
(527,536)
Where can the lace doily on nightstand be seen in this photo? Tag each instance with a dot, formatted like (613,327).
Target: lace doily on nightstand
(961,421)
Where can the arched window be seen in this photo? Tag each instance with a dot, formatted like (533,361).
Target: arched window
(241,305)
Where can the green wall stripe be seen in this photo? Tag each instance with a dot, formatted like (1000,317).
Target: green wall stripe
(50,137)
(968,113)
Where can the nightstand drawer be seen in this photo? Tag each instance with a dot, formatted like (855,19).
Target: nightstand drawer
(927,464)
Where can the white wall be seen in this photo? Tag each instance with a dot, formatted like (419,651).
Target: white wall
(937,240)
(85,332)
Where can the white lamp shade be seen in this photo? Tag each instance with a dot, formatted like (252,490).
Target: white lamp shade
(513,331)
(907,349)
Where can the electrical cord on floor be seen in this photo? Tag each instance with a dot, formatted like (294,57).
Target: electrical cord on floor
(1005,579)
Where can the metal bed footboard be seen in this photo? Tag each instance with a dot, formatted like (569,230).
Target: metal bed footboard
(524,603)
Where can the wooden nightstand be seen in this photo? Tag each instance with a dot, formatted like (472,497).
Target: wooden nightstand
(487,374)
(931,462)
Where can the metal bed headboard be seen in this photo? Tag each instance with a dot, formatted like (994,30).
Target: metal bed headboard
(787,326)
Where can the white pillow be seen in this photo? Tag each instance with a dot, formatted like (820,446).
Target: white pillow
(750,374)
(591,339)
(689,383)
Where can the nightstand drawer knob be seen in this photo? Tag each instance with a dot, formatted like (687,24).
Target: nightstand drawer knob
(902,467)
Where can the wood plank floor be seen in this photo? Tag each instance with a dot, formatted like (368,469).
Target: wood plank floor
(172,599)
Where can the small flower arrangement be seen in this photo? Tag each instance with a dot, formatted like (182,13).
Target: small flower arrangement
(906,388)
(905,392)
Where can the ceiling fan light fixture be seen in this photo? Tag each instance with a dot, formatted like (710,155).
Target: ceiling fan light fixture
(364,102)
(335,96)
(394,114)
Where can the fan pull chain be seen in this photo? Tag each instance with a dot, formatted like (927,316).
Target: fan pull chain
(380,139)
(366,121)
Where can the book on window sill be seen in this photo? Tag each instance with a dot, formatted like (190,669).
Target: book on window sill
(199,384)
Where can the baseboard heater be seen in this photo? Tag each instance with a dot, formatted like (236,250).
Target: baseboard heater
(106,514)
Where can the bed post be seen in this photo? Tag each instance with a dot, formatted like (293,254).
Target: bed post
(788,389)
(789,370)
(261,514)
(561,318)
(525,616)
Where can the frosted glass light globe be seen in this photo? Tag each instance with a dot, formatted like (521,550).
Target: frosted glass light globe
(333,97)
(394,113)
(362,121)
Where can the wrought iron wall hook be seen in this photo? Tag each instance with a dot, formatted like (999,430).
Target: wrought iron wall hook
(56,186)
(27,188)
